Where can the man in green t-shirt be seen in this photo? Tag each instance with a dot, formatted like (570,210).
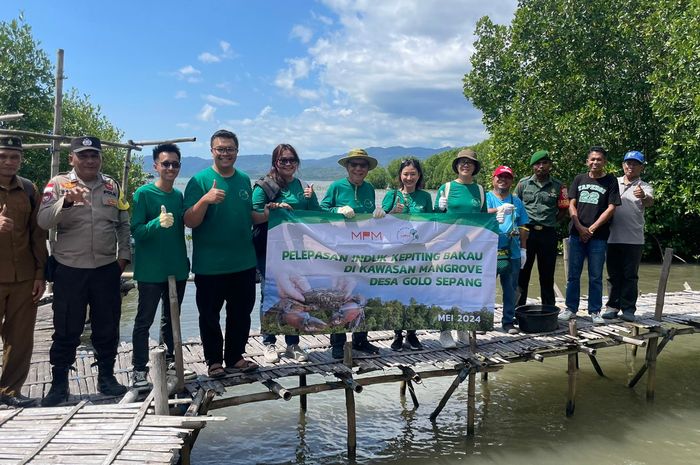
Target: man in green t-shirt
(219,209)
(159,237)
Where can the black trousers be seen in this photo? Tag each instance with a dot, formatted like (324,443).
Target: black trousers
(338,339)
(623,276)
(238,291)
(74,289)
(541,246)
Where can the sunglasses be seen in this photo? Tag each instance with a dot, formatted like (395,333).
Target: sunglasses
(358,164)
(287,161)
(170,164)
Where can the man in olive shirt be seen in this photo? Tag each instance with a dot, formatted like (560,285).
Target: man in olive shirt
(23,256)
(546,204)
(92,249)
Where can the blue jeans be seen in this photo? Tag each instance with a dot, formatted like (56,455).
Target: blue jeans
(150,294)
(593,250)
(509,284)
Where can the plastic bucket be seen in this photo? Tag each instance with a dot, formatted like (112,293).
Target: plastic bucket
(537,318)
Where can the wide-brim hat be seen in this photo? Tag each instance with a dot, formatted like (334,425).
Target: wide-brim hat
(11,142)
(471,155)
(78,144)
(358,154)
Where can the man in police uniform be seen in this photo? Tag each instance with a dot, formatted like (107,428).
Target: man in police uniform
(23,256)
(92,248)
(546,204)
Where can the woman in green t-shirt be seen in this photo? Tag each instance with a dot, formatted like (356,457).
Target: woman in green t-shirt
(462,197)
(280,188)
(408,198)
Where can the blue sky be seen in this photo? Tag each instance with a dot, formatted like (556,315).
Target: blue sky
(324,75)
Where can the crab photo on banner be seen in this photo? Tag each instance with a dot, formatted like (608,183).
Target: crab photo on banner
(329,274)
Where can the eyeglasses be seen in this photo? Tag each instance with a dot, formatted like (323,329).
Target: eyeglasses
(287,161)
(225,150)
(87,155)
(358,164)
(464,162)
(170,164)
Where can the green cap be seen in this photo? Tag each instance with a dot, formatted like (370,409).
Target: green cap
(539,155)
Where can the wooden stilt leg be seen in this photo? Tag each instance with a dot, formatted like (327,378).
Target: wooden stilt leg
(457,381)
(302,397)
(484,376)
(352,425)
(651,366)
(402,390)
(635,333)
(572,370)
(659,348)
(471,402)
(596,365)
(412,391)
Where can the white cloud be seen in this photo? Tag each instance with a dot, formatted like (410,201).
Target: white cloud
(189,73)
(225,85)
(265,111)
(206,113)
(303,33)
(322,19)
(180,94)
(218,101)
(207,57)
(224,46)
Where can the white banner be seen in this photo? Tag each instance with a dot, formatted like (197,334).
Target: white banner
(327,274)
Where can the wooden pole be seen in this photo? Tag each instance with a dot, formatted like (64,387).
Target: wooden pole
(652,348)
(57,115)
(352,423)
(159,377)
(177,333)
(565,255)
(12,117)
(166,141)
(302,398)
(347,354)
(125,173)
(456,382)
(635,333)
(671,333)
(572,370)
(412,391)
(40,135)
(471,402)
(402,389)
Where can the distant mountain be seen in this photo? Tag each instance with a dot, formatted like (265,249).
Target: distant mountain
(320,169)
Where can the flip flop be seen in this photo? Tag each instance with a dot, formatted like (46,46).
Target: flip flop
(243,366)
(216,370)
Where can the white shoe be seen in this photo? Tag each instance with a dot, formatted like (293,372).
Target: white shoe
(463,337)
(297,353)
(597,319)
(138,379)
(270,353)
(566,315)
(446,340)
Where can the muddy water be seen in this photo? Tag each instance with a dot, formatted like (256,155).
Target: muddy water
(520,412)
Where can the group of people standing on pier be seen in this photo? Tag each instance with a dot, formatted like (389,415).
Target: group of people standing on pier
(227,215)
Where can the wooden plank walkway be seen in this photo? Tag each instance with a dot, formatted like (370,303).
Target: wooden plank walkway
(87,434)
(493,349)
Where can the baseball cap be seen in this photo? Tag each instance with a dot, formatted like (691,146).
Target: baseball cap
(78,144)
(503,170)
(634,155)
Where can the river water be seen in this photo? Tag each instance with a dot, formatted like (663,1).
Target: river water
(520,411)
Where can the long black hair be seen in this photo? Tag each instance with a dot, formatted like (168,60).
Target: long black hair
(276,154)
(416,164)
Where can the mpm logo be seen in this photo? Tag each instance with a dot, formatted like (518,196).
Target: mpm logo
(366,236)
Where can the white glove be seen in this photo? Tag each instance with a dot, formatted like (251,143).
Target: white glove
(506,208)
(346,211)
(378,213)
(500,216)
(523,257)
(442,202)
(166,219)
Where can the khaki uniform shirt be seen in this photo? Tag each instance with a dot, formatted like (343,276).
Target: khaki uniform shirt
(92,233)
(22,250)
(540,199)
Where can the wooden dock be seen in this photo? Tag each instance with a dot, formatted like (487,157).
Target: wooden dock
(287,379)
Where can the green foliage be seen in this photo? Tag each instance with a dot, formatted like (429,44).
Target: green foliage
(619,73)
(378,177)
(27,87)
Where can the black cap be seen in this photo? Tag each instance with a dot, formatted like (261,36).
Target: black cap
(78,144)
(11,142)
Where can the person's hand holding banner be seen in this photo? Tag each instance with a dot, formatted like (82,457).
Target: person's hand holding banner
(378,213)
(347,212)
